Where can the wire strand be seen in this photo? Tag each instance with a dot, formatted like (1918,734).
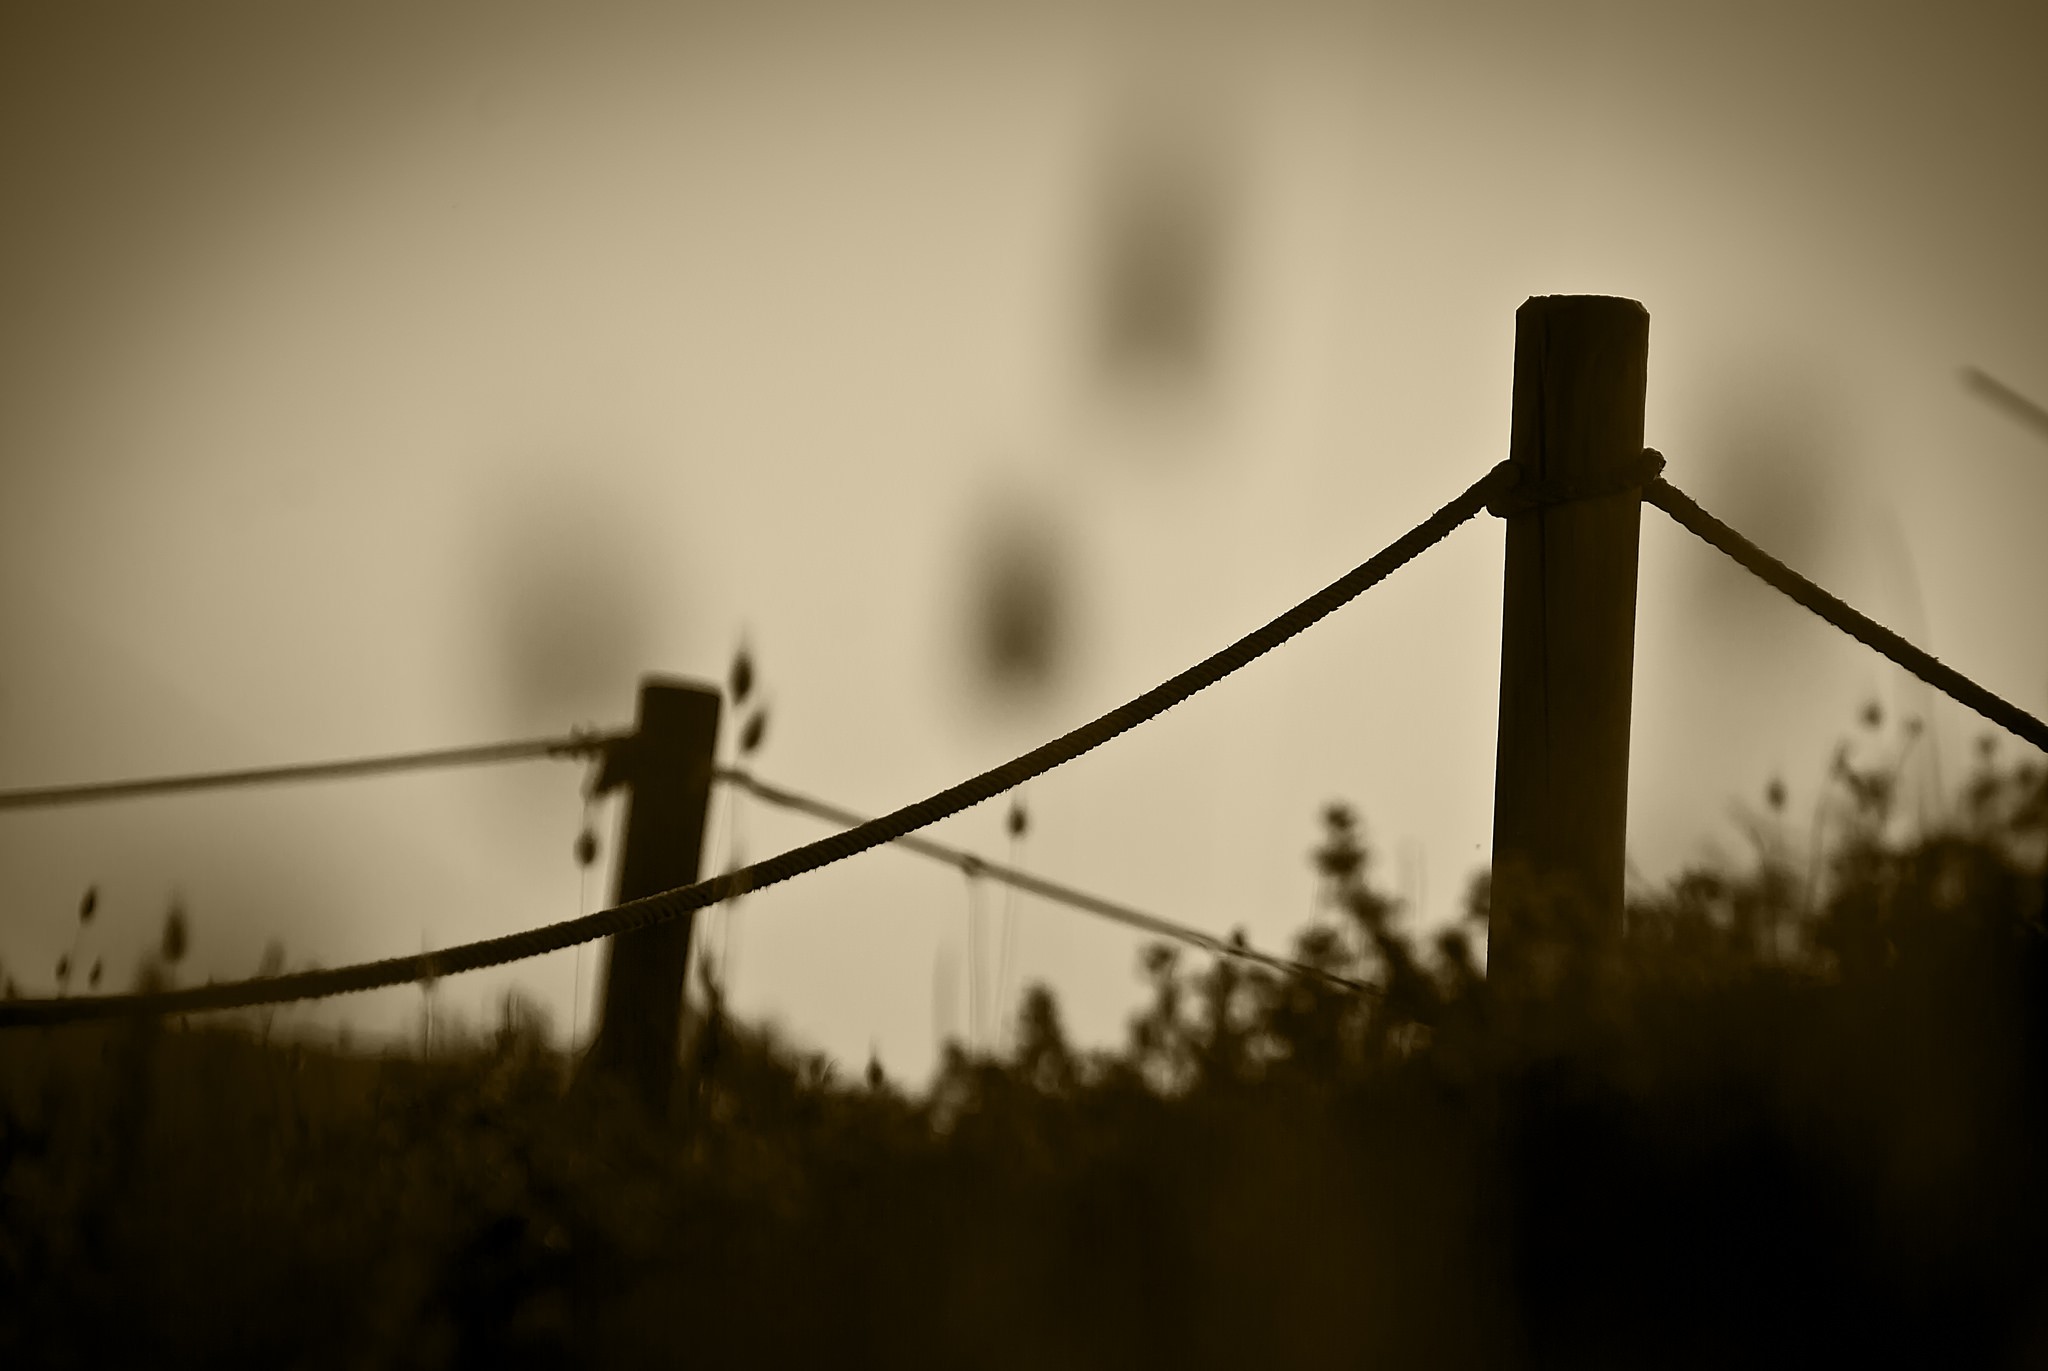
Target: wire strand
(581,743)
(1958,687)
(971,865)
(974,957)
(671,904)
(1007,945)
(2006,398)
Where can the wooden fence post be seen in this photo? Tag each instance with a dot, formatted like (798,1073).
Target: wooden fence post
(1560,812)
(667,769)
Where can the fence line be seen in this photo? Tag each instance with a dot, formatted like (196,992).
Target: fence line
(1495,490)
(589,742)
(672,904)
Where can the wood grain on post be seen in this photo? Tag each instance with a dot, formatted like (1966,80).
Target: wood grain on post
(1560,815)
(667,768)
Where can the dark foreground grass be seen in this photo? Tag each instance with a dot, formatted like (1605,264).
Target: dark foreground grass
(1794,1114)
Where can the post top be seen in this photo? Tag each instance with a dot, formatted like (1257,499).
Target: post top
(1548,303)
(659,684)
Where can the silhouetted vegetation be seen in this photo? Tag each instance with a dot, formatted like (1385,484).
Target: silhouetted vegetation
(1796,1113)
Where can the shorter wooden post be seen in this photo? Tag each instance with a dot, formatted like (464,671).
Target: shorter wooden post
(1560,816)
(667,768)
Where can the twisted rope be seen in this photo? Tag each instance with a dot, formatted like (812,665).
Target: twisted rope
(1958,687)
(672,904)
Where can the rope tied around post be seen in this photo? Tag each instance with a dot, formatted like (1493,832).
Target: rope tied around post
(1644,474)
(1527,496)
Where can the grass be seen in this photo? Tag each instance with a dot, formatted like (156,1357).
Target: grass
(1790,1113)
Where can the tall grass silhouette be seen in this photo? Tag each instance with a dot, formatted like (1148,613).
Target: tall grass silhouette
(1793,1112)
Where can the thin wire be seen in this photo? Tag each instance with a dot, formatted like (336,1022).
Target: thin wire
(582,743)
(2007,399)
(1008,949)
(1958,687)
(671,904)
(974,958)
(971,865)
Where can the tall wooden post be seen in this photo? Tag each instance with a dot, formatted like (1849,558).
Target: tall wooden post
(1560,811)
(667,769)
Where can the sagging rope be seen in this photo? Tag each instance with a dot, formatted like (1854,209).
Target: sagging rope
(672,904)
(1645,473)
(1688,515)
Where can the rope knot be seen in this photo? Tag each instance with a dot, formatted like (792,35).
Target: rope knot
(1525,495)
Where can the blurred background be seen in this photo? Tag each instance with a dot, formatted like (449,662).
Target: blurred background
(379,377)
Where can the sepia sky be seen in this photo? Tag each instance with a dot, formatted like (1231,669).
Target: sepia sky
(377,377)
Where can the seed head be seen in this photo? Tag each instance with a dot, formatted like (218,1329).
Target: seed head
(176,935)
(742,675)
